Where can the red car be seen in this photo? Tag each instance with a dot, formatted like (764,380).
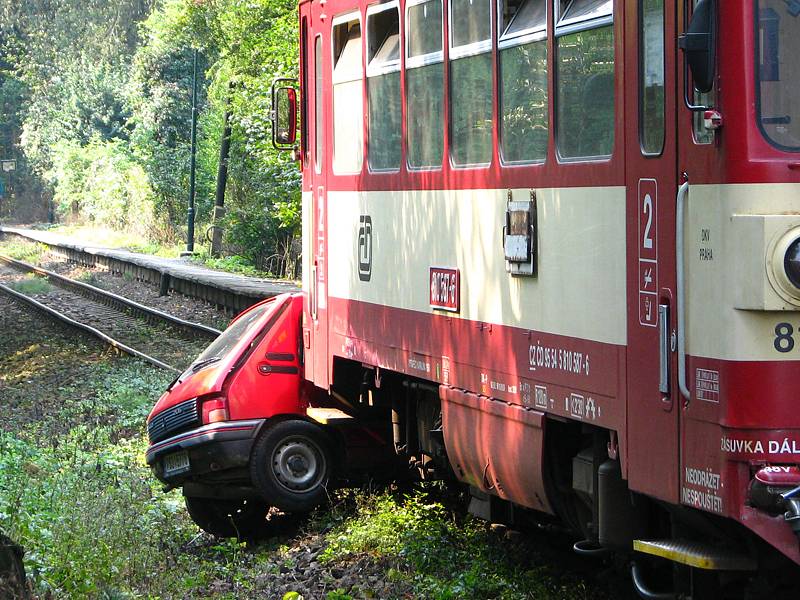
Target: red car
(233,430)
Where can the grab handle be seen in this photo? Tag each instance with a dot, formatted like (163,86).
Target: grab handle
(683,192)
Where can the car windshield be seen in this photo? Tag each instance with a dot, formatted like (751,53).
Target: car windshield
(221,346)
(778,46)
(231,336)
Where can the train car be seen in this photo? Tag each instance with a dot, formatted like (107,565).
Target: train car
(551,249)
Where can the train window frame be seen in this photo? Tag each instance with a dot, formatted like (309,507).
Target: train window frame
(759,80)
(472,48)
(305,150)
(506,41)
(337,21)
(413,62)
(524,36)
(377,68)
(464,52)
(641,24)
(568,26)
(319,99)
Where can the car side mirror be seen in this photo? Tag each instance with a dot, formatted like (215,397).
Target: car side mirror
(699,45)
(284,115)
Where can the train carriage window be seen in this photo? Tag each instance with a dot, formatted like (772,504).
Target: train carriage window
(348,130)
(651,69)
(523,81)
(778,73)
(424,84)
(585,78)
(471,82)
(383,86)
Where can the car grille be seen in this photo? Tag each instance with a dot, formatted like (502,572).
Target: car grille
(181,416)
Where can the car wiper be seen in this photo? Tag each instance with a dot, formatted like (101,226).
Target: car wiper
(204,363)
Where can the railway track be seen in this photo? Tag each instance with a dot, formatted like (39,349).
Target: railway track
(152,335)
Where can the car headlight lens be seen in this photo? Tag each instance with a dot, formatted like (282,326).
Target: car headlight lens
(791,263)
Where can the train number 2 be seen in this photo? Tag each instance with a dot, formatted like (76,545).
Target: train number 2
(784,340)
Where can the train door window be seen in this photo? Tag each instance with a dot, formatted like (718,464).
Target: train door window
(778,73)
(348,128)
(584,78)
(651,69)
(523,81)
(383,86)
(471,82)
(318,108)
(424,84)
(303,90)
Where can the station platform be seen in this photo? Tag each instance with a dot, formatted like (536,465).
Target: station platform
(229,290)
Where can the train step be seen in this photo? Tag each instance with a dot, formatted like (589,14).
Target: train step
(697,554)
(329,416)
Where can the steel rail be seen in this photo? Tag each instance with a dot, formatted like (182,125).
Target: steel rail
(111,297)
(87,328)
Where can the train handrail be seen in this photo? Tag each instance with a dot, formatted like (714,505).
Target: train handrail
(683,192)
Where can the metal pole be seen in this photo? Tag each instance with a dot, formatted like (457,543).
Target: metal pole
(190,233)
(222,178)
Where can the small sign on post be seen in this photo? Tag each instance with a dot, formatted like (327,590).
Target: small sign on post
(8,165)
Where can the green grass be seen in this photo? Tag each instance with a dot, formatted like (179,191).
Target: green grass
(76,494)
(31,285)
(444,554)
(29,252)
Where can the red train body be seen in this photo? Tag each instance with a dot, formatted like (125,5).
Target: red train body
(539,260)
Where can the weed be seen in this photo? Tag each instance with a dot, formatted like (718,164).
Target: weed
(87,277)
(31,285)
(29,252)
(444,555)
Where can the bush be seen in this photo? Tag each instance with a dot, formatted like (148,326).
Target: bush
(102,184)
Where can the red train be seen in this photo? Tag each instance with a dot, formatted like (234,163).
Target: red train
(552,250)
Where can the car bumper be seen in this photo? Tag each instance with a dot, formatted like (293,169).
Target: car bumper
(213,448)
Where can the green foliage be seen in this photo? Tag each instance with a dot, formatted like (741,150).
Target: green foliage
(98,96)
(445,556)
(25,251)
(101,182)
(31,285)
(82,503)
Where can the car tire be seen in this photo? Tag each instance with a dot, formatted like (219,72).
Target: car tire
(291,465)
(242,519)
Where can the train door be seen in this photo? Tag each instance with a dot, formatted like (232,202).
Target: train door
(315,330)
(652,182)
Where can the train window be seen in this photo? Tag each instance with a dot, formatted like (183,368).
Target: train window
(383,86)
(651,69)
(424,83)
(318,108)
(585,79)
(348,130)
(778,73)
(523,82)
(471,82)
(579,12)
(470,24)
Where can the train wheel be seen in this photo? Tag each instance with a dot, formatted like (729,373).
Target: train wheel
(291,465)
(243,519)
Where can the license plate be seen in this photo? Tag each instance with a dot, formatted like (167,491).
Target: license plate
(175,464)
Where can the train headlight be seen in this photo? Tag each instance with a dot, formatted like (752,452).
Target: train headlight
(791,263)
(783,266)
